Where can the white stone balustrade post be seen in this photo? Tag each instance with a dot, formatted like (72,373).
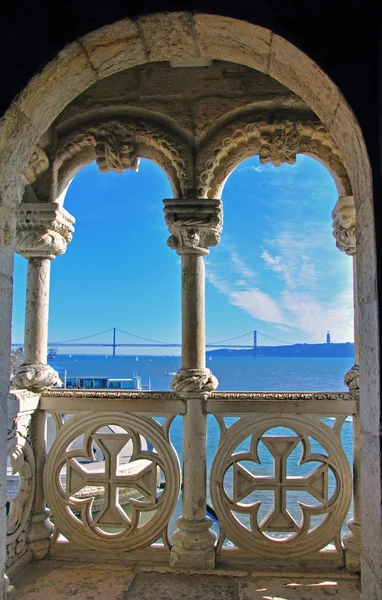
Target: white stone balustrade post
(43,231)
(344,224)
(194,224)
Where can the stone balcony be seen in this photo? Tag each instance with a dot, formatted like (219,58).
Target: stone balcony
(94,548)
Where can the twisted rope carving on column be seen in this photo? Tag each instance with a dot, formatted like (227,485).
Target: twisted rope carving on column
(191,382)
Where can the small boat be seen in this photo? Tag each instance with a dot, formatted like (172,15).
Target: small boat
(52,354)
(171,373)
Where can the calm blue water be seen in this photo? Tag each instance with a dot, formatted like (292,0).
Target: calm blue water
(234,374)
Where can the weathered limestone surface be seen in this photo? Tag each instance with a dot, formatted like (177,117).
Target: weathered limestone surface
(315,88)
(111,49)
(49,579)
(112,582)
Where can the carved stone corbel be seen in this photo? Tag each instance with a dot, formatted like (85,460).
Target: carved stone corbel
(344,225)
(116,149)
(38,163)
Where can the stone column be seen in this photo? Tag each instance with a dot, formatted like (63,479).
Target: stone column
(195,224)
(43,231)
(344,223)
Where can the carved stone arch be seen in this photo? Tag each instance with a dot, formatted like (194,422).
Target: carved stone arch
(117,145)
(274,140)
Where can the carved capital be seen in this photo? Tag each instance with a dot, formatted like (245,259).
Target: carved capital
(194,224)
(36,378)
(344,225)
(190,383)
(351,380)
(43,230)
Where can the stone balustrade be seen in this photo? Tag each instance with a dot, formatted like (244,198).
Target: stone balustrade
(280,484)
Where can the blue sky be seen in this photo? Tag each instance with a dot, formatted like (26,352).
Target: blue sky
(276,269)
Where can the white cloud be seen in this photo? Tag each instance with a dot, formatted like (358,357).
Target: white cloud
(309,301)
(240,266)
(258,305)
(272,262)
(313,317)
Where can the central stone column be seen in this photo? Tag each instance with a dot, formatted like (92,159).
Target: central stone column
(344,224)
(195,224)
(43,232)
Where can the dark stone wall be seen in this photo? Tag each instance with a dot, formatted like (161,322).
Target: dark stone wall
(340,35)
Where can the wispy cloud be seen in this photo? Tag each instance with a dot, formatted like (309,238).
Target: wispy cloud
(258,304)
(300,305)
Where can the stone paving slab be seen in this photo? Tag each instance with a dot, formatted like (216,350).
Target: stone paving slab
(154,586)
(51,580)
(57,580)
(300,589)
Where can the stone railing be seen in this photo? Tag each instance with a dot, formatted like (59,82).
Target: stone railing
(280,482)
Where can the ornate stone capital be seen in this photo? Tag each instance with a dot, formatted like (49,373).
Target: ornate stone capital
(36,378)
(344,225)
(191,383)
(194,224)
(43,230)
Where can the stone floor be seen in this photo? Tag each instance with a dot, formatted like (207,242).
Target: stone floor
(52,580)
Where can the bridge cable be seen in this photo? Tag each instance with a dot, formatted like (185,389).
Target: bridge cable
(140,337)
(233,338)
(86,337)
(275,339)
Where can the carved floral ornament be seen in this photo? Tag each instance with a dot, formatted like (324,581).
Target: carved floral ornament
(344,225)
(23,471)
(275,141)
(43,230)
(117,146)
(194,224)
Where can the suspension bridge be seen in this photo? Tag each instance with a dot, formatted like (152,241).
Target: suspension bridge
(142,342)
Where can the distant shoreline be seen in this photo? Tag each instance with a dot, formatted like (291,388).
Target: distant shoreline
(344,350)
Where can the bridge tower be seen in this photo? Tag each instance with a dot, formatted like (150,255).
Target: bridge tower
(255,343)
(114,344)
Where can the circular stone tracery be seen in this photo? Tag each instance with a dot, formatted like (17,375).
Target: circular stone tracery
(94,531)
(304,539)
